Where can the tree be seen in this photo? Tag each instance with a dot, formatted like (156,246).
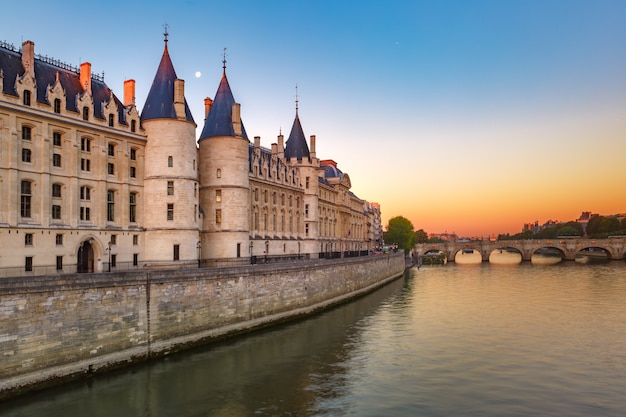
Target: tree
(400,231)
(421,236)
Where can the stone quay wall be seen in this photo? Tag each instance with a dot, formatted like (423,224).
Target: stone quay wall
(54,328)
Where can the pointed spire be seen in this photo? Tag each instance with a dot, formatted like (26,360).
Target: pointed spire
(296,146)
(160,101)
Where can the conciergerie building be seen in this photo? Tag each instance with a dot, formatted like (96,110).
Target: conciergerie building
(91,183)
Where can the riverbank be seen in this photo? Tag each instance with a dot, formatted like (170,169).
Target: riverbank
(57,328)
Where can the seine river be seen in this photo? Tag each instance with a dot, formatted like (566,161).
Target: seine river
(474,340)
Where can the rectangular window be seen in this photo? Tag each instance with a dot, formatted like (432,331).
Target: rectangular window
(85,164)
(56,190)
(85,214)
(113,261)
(307,182)
(59,263)
(111,149)
(111,168)
(85,145)
(170,188)
(59,239)
(135,259)
(219,173)
(170,161)
(113,239)
(306,210)
(26,155)
(26,133)
(176,252)
(218,196)
(133,154)
(57,105)
(85,193)
(85,113)
(133,172)
(28,267)
(135,240)
(56,138)
(111,206)
(218,216)
(306,229)
(170,211)
(28,239)
(132,213)
(25,199)
(56,212)
(56,160)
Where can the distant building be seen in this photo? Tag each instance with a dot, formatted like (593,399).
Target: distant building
(90,184)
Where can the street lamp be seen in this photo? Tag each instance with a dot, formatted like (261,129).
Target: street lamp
(251,247)
(199,247)
(267,249)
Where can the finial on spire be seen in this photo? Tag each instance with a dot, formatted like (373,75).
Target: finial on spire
(165,34)
(224,61)
(296,98)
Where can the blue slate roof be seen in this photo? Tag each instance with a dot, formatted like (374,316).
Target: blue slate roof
(331,171)
(160,101)
(219,121)
(45,75)
(296,146)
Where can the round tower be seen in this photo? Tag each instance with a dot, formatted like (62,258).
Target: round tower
(223,171)
(170,215)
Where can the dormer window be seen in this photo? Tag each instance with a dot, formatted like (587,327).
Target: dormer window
(57,105)
(85,113)
(111,120)
(26,98)
(133,125)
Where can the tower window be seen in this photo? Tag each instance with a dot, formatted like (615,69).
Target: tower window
(57,105)
(132,213)
(176,252)
(56,138)
(111,149)
(111,120)
(56,212)
(111,206)
(218,196)
(133,154)
(26,98)
(85,113)
(170,161)
(56,190)
(25,199)
(85,144)
(56,160)
(170,211)
(28,239)
(133,125)
(218,216)
(26,153)
(170,188)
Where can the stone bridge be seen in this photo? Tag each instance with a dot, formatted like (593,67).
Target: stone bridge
(615,248)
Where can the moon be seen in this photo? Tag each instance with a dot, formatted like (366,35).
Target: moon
(198,74)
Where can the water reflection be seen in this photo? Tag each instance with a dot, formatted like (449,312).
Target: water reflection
(444,341)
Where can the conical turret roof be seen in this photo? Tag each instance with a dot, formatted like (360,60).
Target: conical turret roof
(160,101)
(219,121)
(296,146)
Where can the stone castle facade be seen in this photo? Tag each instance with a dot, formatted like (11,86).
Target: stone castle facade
(88,183)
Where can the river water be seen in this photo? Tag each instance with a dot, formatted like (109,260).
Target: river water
(473,340)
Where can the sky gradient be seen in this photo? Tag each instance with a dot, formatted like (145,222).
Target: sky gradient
(472,117)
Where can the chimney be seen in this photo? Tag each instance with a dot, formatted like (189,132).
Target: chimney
(236,118)
(179,98)
(274,149)
(28,58)
(208,103)
(312,146)
(85,76)
(257,142)
(281,147)
(129,93)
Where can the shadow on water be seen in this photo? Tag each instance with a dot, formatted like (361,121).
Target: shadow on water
(275,371)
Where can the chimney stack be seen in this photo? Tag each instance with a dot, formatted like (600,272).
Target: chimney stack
(208,103)
(281,147)
(179,98)
(28,58)
(85,77)
(313,147)
(236,118)
(129,93)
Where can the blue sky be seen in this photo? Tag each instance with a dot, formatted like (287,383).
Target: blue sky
(465,116)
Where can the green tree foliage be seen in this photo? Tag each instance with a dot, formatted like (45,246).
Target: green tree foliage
(421,236)
(600,227)
(400,231)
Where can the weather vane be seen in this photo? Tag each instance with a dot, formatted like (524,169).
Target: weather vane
(165,34)
(224,60)
(296,97)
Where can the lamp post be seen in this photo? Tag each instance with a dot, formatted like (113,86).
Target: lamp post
(109,244)
(267,249)
(199,247)
(251,247)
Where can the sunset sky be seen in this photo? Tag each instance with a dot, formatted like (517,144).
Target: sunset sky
(472,117)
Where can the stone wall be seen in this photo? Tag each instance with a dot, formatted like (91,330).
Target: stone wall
(58,327)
